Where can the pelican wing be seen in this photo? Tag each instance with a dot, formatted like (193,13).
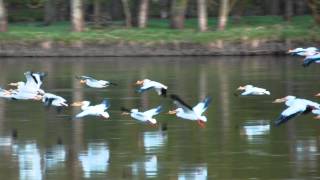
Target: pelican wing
(153,111)
(290,112)
(180,103)
(202,106)
(106,103)
(34,79)
(83,113)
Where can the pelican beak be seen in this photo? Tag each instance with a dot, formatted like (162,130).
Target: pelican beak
(78,103)
(318,95)
(125,113)
(172,112)
(13,84)
(82,81)
(280,100)
(289,51)
(139,82)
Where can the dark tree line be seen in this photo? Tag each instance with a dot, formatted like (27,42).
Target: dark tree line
(137,12)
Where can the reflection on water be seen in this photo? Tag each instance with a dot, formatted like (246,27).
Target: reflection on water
(29,160)
(119,149)
(154,140)
(198,172)
(95,159)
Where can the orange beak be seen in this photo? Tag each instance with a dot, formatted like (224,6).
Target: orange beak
(241,88)
(139,82)
(76,104)
(82,81)
(280,100)
(172,112)
(318,95)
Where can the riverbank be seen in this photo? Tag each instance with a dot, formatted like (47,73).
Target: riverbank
(250,36)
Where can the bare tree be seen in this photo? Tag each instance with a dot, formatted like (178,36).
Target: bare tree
(49,12)
(315,8)
(224,10)
(288,10)
(3,17)
(178,10)
(164,9)
(127,13)
(97,12)
(202,15)
(143,13)
(274,7)
(77,15)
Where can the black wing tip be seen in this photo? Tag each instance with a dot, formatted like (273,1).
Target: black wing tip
(123,109)
(113,84)
(163,92)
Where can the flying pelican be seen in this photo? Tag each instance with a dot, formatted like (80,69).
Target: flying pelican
(146,116)
(148,84)
(303,51)
(96,110)
(296,106)
(191,113)
(315,58)
(94,83)
(50,99)
(251,90)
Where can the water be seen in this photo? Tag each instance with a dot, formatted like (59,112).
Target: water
(239,140)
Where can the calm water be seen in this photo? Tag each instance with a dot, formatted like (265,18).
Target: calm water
(239,141)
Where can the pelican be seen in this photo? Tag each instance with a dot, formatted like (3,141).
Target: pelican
(251,90)
(50,99)
(303,51)
(191,113)
(146,116)
(94,83)
(147,84)
(314,58)
(96,110)
(296,106)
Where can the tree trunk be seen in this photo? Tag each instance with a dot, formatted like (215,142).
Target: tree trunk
(77,15)
(274,7)
(3,17)
(301,7)
(178,9)
(115,10)
(238,12)
(202,15)
(49,12)
(97,12)
(127,13)
(143,13)
(163,9)
(288,10)
(315,10)
(223,14)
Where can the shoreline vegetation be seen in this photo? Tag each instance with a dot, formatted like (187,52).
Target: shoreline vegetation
(251,35)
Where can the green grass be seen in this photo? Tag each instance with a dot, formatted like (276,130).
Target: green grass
(273,28)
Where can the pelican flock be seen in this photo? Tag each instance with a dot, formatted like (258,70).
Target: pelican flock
(311,54)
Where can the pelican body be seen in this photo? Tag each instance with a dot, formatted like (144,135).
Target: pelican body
(147,84)
(146,116)
(296,106)
(94,83)
(251,90)
(303,51)
(185,111)
(51,99)
(96,110)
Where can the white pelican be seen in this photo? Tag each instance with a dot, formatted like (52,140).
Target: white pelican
(96,110)
(148,84)
(315,58)
(191,113)
(251,90)
(50,99)
(303,51)
(94,83)
(296,106)
(146,116)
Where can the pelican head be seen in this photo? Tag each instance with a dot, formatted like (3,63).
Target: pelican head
(295,50)
(284,99)
(82,81)
(139,82)
(81,103)
(318,95)
(241,88)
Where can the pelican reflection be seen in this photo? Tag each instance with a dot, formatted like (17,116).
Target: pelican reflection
(154,140)
(149,167)
(198,172)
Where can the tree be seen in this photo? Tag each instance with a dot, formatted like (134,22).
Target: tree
(178,9)
(202,15)
(224,10)
(49,12)
(315,8)
(274,7)
(96,12)
(164,8)
(288,10)
(3,17)
(77,15)
(127,13)
(143,13)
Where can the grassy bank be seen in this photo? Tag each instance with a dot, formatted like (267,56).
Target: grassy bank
(273,28)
